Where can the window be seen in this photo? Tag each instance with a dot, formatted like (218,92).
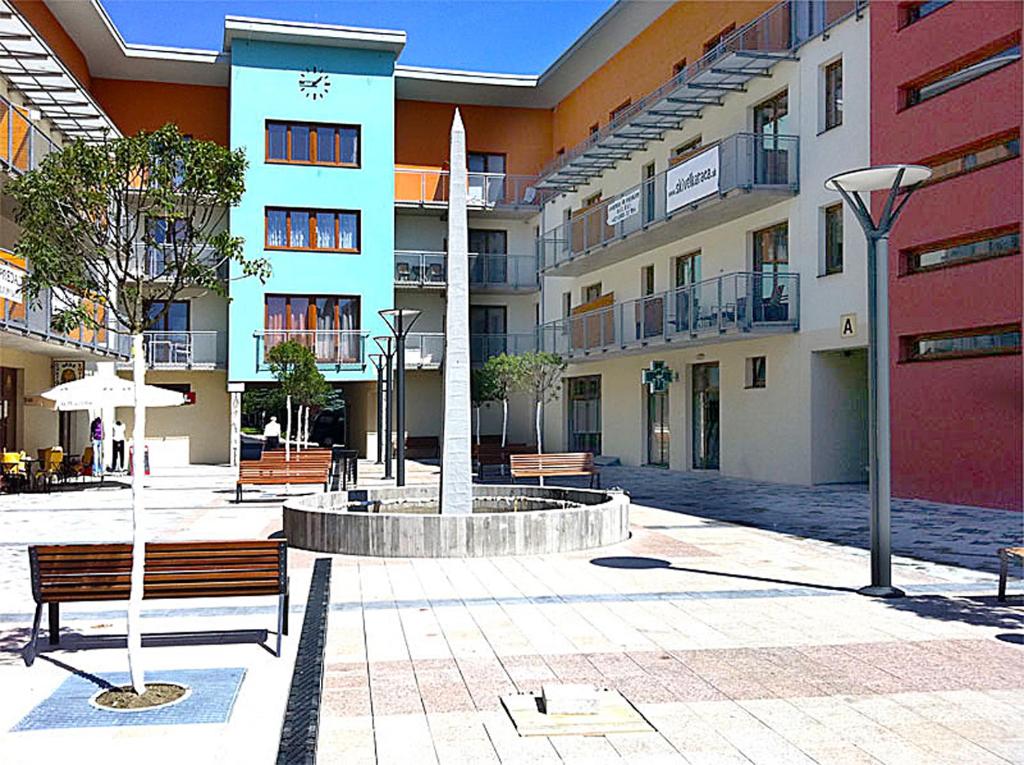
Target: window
(969,159)
(834,94)
(594,129)
(992,244)
(174,319)
(717,40)
(566,304)
(687,269)
(490,262)
(650,192)
(592,200)
(487,332)
(834,239)
(757,371)
(647,281)
(615,113)
(916,11)
(992,341)
(685,148)
(329,230)
(678,67)
(591,292)
(326,324)
(771,262)
(313,144)
(967,70)
(479,162)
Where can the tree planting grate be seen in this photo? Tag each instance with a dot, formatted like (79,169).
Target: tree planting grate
(302,715)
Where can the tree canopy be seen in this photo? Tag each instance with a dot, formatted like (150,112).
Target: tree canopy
(294,367)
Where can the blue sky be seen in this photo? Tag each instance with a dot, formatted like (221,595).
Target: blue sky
(518,37)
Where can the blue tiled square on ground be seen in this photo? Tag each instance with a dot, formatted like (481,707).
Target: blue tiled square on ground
(211,701)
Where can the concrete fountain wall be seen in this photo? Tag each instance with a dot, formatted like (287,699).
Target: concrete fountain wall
(324,523)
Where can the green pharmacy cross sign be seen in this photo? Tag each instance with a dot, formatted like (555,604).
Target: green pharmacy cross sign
(658,376)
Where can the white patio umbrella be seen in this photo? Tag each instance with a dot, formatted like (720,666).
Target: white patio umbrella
(100,391)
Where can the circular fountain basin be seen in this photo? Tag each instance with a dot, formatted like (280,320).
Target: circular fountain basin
(506,520)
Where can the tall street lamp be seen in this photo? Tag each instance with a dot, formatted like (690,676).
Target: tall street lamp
(377,359)
(400,321)
(386,345)
(899,181)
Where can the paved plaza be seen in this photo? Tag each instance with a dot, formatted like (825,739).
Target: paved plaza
(729,620)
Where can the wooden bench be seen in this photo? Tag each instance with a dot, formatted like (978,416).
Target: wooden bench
(490,454)
(312,466)
(213,569)
(1005,554)
(547,465)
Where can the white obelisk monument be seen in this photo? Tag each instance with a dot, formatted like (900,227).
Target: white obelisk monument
(456,458)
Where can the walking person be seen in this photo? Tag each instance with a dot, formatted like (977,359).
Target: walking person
(272,434)
(96,434)
(117,434)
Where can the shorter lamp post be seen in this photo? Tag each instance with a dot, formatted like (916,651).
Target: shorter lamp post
(386,345)
(899,181)
(400,321)
(377,359)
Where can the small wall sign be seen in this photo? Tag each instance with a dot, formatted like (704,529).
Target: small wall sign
(657,377)
(848,325)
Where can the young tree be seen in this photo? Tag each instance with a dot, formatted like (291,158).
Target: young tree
(505,373)
(541,375)
(294,366)
(114,228)
(482,390)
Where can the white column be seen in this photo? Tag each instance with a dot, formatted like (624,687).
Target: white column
(456,455)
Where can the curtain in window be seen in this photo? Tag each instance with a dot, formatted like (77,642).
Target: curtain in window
(348,231)
(299,229)
(349,318)
(277,141)
(276,321)
(325,144)
(300,143)
(276,230)
(326,336)
(349,145)
(298,320)
(325,231)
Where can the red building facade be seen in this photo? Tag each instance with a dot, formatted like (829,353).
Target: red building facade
(946,92)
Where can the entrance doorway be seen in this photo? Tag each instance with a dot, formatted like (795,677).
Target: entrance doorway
(658,435)
(585,414)
(8,409)
(705,417)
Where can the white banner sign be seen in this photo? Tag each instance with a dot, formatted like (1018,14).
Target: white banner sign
(692,180)
(11,282)
(624,207)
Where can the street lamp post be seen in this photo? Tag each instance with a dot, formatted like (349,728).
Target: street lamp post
(377,359)
(899,181)
(386,345)
(400,320)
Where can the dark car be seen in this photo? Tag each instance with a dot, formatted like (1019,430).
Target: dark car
(330,428)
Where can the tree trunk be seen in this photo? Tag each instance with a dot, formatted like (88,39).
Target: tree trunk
(307,427)
(288,429)
(135,666)
(299,433)
(504,419)
(477,425)
(540,449)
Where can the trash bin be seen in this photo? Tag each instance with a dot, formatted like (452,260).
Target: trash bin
(131,460)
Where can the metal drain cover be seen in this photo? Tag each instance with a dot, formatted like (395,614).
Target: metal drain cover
(578,711)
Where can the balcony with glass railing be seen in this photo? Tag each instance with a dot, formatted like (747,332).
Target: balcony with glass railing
(750,51)
(191,349)
(429,187)
(22,145)
(483,347)
(733,306)
(487,272)
(740,174)
(158,262)
(340,349)
(35,320)
(424,350)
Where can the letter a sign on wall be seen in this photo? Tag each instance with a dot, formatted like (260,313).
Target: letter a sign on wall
(848,325)
(692,180)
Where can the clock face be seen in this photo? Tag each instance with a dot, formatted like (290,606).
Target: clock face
(314,83)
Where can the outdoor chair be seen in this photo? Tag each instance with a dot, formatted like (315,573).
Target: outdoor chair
(14,473)
(51,465)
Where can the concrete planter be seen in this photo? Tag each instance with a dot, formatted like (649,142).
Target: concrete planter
(324,523)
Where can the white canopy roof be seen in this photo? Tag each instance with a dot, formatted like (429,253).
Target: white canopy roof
(99,391)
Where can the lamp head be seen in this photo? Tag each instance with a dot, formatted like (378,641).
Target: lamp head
(878,178)
(400,320)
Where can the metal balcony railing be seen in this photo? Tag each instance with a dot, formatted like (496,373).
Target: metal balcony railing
(484,347)
(22,145)
(424,350)
(733,303)
(749,161)
(748,52)
(194,349)
(492,272)
(420,268)
(430,186)
(157,261)
(338,348)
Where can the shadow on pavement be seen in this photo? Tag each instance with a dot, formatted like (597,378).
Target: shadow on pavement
(984,611)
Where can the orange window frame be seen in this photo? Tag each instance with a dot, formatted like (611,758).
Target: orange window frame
(311,234)
(313,144)
(311,314)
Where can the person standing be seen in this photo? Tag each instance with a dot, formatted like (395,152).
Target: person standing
(96,434)
(117,434)
(272,434)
